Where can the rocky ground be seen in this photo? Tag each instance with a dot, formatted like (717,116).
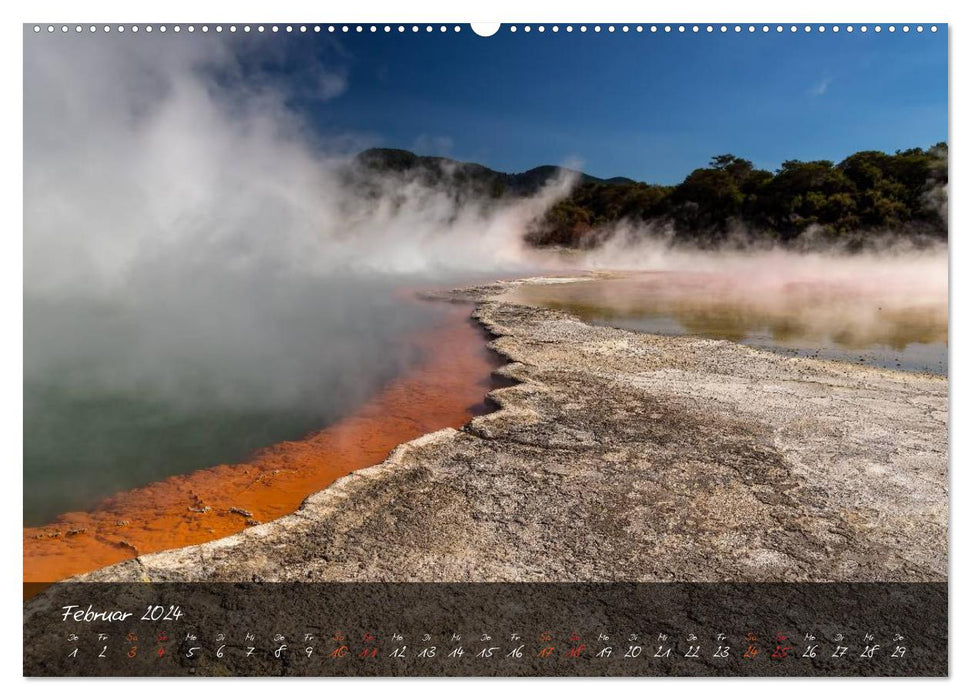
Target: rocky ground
(620,456)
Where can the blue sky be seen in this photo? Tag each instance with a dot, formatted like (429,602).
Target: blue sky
(647,106)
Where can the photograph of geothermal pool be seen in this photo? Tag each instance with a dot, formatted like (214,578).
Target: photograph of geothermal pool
(533,308)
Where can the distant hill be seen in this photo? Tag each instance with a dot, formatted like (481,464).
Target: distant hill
(902,194)
(438,170)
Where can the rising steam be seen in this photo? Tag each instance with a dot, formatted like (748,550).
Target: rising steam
(148,151)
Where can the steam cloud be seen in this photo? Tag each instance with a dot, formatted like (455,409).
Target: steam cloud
(145,150)
(167,175)
(918,271)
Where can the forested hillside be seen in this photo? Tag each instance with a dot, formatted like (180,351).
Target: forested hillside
(869,192)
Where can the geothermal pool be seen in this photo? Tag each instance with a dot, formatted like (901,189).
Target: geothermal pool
(895,326)
(171,497)
(125,390)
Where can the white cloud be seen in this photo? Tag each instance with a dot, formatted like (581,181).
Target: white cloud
(331,85)
(820,88)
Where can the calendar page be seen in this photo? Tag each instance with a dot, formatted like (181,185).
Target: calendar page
(543,349)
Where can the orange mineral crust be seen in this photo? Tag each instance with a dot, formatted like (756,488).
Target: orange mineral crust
(446,389)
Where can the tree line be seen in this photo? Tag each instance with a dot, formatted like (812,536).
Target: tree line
(869,192)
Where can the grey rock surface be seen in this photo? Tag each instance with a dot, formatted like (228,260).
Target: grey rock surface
(622,456)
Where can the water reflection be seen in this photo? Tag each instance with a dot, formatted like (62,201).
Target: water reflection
(900,328)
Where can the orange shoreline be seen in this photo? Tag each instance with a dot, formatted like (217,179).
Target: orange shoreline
(446,389)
